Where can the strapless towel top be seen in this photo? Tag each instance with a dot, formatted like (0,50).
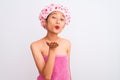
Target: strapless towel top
(61,69)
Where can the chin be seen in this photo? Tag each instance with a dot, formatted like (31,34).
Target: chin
(57,32)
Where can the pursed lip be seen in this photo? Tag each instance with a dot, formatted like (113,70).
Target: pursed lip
(57,27)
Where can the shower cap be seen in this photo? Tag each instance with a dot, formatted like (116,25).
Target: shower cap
(54,7)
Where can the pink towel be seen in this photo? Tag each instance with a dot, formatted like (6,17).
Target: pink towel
(61,69)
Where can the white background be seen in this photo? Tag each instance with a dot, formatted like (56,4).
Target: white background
(94,32)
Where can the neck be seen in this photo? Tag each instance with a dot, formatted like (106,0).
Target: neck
(52,37)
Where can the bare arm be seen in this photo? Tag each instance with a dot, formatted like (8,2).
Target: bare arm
(44,69)
(68,51)
(48,68)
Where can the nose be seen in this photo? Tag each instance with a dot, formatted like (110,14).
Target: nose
(58,21)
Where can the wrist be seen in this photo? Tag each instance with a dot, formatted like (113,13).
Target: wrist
(51,52)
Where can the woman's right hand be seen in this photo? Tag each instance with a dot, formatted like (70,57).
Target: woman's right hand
(52,45)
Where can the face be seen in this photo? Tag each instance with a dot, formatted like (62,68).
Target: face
(55,22)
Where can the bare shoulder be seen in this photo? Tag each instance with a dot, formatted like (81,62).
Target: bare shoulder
(67,44)
(36,44)
(66,41)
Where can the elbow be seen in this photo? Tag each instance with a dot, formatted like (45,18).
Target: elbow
(47,77)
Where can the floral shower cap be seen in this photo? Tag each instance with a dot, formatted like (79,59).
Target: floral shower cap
(54,7)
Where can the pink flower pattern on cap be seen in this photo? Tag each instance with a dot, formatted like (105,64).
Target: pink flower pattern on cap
(54,7)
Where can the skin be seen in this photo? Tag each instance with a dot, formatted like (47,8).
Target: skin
(51,45)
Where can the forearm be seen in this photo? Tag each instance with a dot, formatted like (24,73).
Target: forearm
(48,69)
(70,76)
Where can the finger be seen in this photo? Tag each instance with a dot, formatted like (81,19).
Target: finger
(47,43)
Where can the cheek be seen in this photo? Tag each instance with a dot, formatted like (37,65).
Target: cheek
(51,22)
(62,27)
(63,24)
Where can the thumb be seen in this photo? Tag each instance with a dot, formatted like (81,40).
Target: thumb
(47,43)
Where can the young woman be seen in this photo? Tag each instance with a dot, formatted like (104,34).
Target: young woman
(52,53)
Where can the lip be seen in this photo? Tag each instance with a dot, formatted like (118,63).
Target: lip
(57,27)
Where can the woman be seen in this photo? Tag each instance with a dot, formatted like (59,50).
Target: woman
(52,53)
